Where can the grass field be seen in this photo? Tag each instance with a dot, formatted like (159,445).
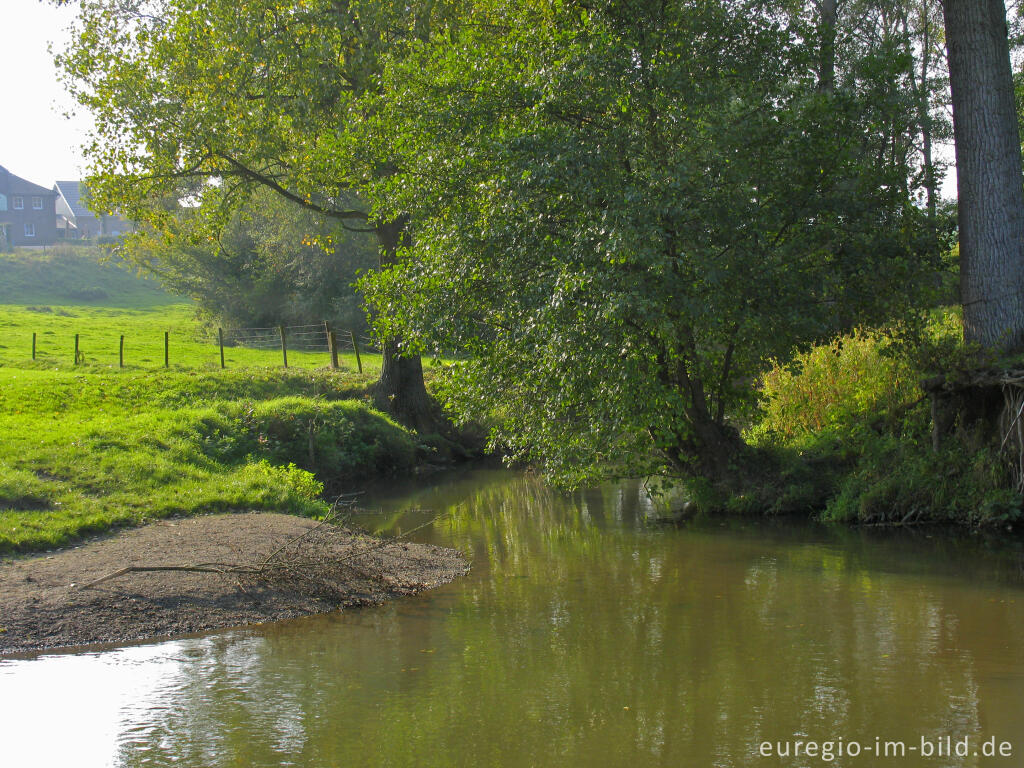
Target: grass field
(99,330)
(69,291)
(89,446)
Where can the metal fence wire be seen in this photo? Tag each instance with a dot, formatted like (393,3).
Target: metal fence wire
(301,338)
(315,338)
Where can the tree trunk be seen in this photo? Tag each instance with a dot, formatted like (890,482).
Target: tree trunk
(400,391)
(828,22)
(989,176)
(709,448)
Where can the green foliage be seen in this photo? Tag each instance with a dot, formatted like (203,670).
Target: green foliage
(854,379)
(288,479)
(849,435)
(593,230)
(274,263)
(205,101)
(620,217)
(901,481)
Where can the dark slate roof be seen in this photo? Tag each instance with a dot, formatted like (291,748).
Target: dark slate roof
(75,193)
(19,186)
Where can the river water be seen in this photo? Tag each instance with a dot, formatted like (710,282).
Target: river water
(585,635)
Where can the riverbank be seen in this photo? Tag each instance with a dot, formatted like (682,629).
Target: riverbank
(85,449)
(45,603)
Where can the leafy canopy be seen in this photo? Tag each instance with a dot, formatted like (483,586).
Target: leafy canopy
(623,212)
(203,100)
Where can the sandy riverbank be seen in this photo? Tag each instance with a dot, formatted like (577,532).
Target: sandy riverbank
(312,570)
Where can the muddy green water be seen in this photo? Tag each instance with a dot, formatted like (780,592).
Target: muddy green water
(584,636)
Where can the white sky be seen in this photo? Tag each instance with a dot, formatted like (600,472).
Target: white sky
(36,141)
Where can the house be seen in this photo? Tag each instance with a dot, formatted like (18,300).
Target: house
(27,212)
(76,220)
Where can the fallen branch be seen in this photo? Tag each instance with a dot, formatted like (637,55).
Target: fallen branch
(282,562)
(198,568)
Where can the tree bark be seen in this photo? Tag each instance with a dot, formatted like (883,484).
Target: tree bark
(401,391)
(828,23)
(989,176)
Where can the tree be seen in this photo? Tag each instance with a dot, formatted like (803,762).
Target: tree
(273,263)
(620,215)
(223,96)
(922,24)
(990,182)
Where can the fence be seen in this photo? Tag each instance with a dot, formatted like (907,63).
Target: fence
(309,340)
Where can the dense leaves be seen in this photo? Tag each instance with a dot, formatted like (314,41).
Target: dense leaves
(623,212)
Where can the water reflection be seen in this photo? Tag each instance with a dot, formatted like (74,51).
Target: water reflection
(583,636)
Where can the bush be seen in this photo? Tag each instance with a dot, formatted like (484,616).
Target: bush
(899,482)
(846,428)
(833,388)
(293,488)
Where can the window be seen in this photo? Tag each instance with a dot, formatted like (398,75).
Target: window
(37,203)
(18,203)
(30,229)
(3,202)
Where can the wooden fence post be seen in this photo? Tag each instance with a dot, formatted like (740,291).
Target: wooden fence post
(284,345)
(220,340)
(76,349)
(167,349)
(120,353)
(355,346)
(33,346)
(331,347)
(334,350)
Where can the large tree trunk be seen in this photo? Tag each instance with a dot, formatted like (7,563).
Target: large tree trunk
(400,391)
(989,178)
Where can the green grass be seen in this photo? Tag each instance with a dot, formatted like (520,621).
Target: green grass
(71,290)
(89,446)
(71,274)
(86,449)
(99,330)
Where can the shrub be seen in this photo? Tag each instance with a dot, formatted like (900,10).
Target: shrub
(833,388)
(335,440)
(847,429)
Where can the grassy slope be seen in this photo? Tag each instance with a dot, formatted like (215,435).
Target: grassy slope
(89,446)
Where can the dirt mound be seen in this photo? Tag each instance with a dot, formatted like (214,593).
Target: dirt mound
(259,567)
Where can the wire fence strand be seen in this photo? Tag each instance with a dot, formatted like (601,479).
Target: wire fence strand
(153,348)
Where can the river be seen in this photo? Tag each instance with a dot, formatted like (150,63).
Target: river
(585,635)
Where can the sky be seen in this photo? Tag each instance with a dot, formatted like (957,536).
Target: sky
(36,141)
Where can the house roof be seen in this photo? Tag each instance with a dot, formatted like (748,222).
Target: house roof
(16,185)
(74,194)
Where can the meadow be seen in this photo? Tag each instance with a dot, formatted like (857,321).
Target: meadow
(90,445)
(66,291)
